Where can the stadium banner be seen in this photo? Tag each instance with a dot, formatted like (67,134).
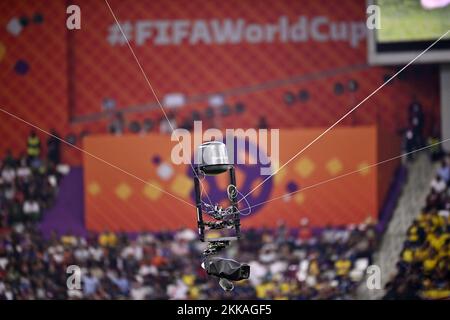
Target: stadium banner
(197,47)
(331,183)
(315,53)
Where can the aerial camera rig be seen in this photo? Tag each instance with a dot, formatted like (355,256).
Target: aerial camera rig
(212,159)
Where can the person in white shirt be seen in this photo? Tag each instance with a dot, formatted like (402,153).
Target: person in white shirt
(31,208)
(438,184)
(177,290)
(8,174)
(23,172)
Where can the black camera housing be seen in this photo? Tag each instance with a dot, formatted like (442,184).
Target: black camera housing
(227,268)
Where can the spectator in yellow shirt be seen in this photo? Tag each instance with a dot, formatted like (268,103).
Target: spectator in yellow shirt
(107,239)
(408,255)
(342,267)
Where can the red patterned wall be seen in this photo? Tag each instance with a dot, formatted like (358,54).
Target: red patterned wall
(40,94)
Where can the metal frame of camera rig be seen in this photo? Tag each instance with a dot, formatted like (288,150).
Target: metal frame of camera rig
(228,218)
(213,160)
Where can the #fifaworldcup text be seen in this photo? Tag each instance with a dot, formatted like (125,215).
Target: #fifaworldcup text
(236,31)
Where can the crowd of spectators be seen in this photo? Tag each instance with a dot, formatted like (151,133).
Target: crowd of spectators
(424,266)
(304,263)
(285,264)
(28,184)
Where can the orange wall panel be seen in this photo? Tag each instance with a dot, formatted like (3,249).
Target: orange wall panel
(117,201)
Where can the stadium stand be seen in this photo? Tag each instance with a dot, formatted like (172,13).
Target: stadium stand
(286,264)
(423,268)
(339,118)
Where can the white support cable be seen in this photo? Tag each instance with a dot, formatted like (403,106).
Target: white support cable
(345,115)
(148,83)
(351,172)
(92,155)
